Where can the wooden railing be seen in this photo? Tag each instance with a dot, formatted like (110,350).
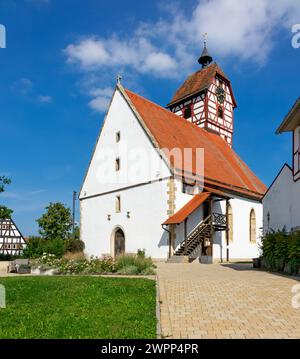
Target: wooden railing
(219,220)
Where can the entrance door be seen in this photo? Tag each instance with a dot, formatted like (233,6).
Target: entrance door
(119,242)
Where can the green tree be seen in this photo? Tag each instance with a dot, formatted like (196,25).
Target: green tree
(56,222)
(5,213)
(3,182)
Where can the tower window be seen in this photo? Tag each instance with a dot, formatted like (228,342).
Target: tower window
(118,204)
(187,112)
(117,164)
(118,136)
(220,112)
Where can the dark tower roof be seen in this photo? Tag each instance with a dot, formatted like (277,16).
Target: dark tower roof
(205,59)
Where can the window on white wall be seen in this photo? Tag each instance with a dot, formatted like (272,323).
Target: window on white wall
(118,204)
(117,164)
(252,226)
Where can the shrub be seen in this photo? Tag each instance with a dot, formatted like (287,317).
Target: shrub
(141,253)
(34,247)
(129,270)
(281,251)
(141,263)
(9,257)
(37,246)
(74,245)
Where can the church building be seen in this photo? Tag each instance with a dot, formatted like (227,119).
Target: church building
(167,180)
(282,200)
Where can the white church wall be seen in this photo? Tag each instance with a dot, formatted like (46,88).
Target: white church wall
(147,205)
(139,161)
(240,247)
(278,202)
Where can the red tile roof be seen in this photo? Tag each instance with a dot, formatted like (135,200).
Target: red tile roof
(222,166)
(198,82)
(189,208)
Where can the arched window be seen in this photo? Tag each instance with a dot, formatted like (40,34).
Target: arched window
(187,112)
(230,223)
(252,226)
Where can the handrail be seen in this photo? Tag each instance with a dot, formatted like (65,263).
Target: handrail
(197,226)
(214,219)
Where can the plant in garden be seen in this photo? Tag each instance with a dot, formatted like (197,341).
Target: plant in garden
(281,251)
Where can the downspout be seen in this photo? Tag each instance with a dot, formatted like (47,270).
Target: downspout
(165,229)
(227,232)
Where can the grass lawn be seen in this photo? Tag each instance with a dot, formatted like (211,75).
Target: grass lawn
(78,307)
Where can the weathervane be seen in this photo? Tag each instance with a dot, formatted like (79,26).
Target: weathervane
(205,38)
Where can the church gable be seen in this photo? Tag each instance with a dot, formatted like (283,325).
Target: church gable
(124,154)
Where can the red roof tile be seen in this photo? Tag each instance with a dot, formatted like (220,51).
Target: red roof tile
(189,208)
(198,82)
(222,166)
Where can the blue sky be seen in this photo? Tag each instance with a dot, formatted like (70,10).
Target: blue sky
(62,57)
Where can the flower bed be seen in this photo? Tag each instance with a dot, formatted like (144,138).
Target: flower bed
(79,264)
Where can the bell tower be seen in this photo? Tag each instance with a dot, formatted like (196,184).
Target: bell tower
(206,99)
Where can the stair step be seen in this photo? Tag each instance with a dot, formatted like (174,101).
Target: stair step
(178,259)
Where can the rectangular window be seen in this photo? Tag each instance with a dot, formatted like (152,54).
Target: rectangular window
(118,136)
(118,204)
(118,164)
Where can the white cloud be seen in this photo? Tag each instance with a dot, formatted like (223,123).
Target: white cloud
(169,48)
(138,54)
(45,99)
(101,99)
(23,86)
(89,53)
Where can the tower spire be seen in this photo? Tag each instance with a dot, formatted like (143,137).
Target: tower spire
(205,59)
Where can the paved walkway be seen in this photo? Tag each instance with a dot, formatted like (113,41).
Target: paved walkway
(225,301)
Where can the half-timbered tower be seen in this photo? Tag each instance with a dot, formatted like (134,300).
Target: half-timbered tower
(206,99)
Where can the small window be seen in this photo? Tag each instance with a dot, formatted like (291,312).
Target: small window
(220,112)
(117,164)
(118,204)
(252,228)
(187,112)
(118,136)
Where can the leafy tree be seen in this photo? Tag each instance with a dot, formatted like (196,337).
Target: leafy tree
(56,222)
(3,182)
(5,213)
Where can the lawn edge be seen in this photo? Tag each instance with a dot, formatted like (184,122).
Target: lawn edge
(158,323)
